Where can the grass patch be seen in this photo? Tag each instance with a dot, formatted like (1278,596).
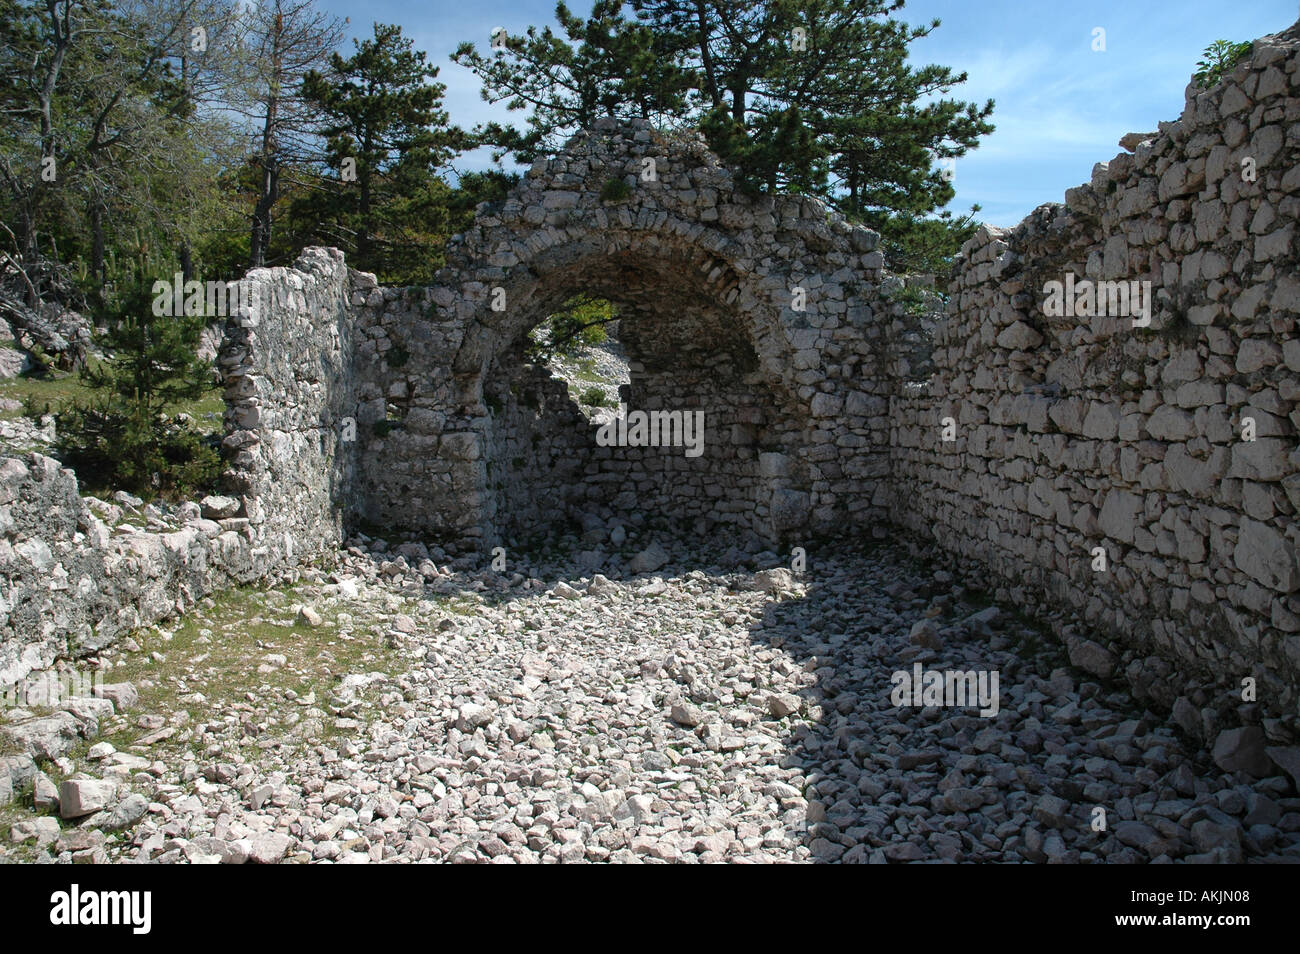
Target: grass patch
(216,663)
(48,391)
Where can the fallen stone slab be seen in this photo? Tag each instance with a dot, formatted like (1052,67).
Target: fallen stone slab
(45,738)
(1242,750)
(84,796)
(41,830)
(269,848)
(650,559)
(1288,760)
(123,695)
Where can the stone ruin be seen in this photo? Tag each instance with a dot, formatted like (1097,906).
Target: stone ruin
(1015,446)
(425,418)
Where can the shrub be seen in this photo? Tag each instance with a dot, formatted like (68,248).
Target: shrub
(112,447)
(595,397)
(1220,57)
(614,190)
(122,437)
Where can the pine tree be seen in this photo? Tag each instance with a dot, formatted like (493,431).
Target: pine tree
(603,66)
(281,42)
(810,96)
(388,136)
(123,437)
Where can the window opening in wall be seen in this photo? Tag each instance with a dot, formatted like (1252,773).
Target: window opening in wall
(579,344)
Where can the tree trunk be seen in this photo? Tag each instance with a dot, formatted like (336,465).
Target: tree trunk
(260,241)
(97,266)
(706,55)
(363,209)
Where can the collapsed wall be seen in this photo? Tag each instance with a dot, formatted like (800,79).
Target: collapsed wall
(72,582)
(1171,447)
(755,310)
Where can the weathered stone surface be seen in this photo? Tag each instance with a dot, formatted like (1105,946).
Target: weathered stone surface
(777,580)
(790,509)
(1242,749)
(219,508)
(269,848)
(126,813)
(649,559)
(1119,517)
(925,632)
(40,830)
(1091,657)
(1018,336)
(1102,422)
(473,716)
(123,695)
(44,737)
(1287,758)
(683,713)
(1266,556)
(45,794)
(1169,423)
(83,796)
(783,704)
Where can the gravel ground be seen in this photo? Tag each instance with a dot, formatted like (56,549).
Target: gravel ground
(402,711)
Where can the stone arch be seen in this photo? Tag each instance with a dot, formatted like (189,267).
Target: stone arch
(600,262)
(687,240)
(692,351)
(417,365)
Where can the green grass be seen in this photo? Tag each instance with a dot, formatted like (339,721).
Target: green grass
(217,651)
(62,387)
(587,373)
(614,190)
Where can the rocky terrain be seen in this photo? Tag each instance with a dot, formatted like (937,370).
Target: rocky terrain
(602,366)
(656,685)
(398,709)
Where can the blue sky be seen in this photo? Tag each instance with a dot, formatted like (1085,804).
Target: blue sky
(1060,107)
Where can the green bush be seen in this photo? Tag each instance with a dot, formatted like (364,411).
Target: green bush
(122,437)
(595,397)
(614,190)
(112,447)
(1220,57)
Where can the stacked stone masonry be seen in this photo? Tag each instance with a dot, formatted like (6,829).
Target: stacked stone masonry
(352,405)
(77,573)
(1075,433)
(456,435)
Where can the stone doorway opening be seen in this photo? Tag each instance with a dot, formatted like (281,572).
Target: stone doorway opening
(683,448)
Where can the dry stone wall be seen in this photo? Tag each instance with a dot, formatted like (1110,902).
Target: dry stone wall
(71,583)
(291,394)
(1074,437)
(76,573)
(1172,447)
(755,310)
